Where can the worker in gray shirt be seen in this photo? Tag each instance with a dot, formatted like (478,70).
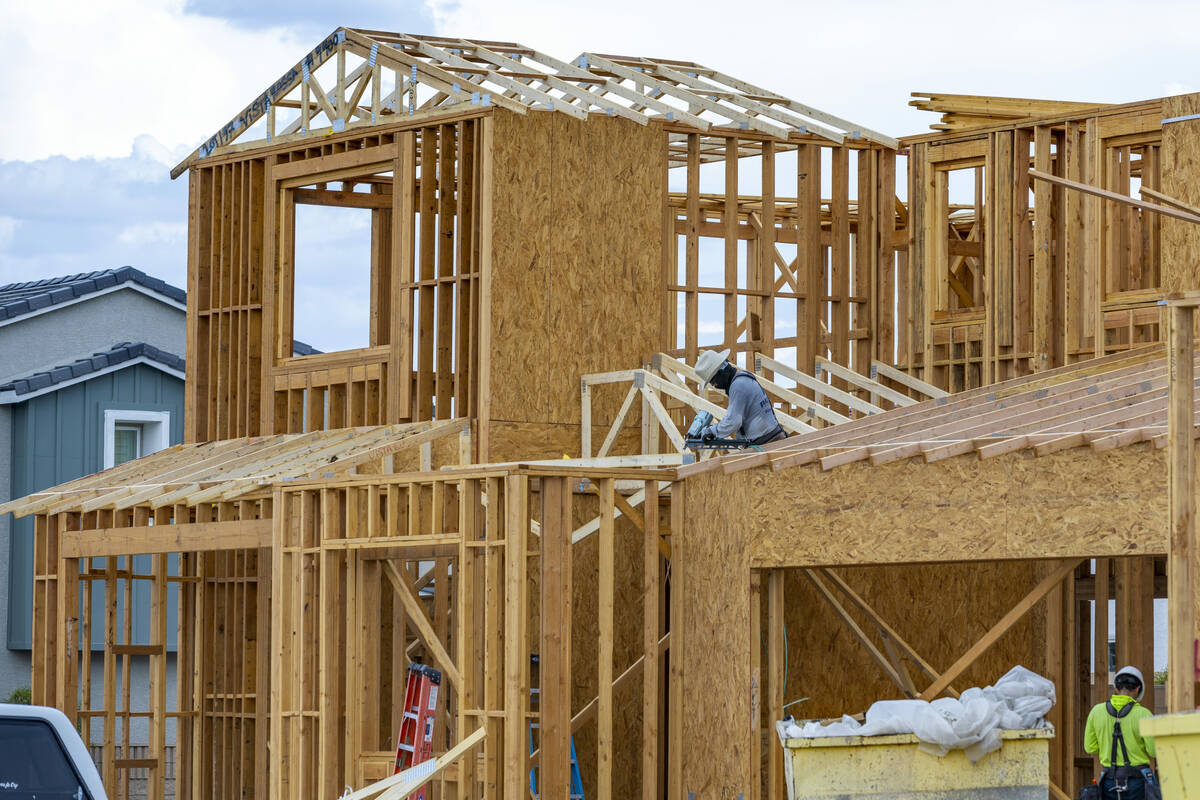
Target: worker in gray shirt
(750,414)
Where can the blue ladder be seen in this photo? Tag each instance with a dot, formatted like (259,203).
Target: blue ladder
(576,780)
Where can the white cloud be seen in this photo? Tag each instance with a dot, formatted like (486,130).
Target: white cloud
(90,76)
(144,233)
(8,226)
(862,61)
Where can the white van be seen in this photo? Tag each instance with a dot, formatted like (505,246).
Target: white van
(43,758)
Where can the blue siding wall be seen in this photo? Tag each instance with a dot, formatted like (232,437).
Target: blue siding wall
(58,437)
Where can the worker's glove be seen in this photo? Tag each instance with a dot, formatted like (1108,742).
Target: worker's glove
(708,435)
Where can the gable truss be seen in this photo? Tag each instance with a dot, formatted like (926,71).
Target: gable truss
(409,75)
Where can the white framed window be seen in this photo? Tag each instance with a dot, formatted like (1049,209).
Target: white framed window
(132,434)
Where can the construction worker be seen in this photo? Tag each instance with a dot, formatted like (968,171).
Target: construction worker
(750,414)
(1113,731)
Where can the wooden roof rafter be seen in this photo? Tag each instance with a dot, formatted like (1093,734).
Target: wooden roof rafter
(229,469)
(439,74)
(1103,404)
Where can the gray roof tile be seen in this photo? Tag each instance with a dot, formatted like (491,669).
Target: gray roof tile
(118,354)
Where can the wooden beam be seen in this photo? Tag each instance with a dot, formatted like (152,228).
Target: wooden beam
(604,722)
(416,613)
(776,676)
(1000,628)
(1115,196)
(555,664)
(405,783)
(586,714)
(887,633)
(1181,500)
(183,538)
(650,634)
(1146,191)
(884,663)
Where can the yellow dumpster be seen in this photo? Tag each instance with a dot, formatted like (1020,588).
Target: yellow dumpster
(893,767)
(1177,744)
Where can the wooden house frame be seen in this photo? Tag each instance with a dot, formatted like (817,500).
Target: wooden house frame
(340,514)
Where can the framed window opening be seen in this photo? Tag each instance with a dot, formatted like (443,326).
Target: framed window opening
(130,434)
(420,189)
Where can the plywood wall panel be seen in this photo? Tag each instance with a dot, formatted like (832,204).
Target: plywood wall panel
(711,582)
(529,441)
(576,256)
(1180,172)
(1075,502)
(940,610)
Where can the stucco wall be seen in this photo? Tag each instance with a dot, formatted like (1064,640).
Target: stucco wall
(76,331)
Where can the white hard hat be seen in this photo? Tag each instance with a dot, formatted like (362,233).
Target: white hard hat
(1135,673)
(709,362)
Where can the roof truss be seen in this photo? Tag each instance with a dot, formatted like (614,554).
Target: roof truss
(357,78)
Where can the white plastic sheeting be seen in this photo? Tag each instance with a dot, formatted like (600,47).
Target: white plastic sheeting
(1018,701)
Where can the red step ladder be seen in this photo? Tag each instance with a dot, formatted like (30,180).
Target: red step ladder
(415,742)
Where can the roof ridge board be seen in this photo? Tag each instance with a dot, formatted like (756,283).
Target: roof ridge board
(376,34)
(651,60)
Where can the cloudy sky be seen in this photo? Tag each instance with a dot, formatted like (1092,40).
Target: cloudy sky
(104,96)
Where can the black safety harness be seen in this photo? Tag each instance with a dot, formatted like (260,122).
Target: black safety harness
(1120,772)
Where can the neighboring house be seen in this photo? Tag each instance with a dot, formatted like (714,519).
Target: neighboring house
(91,375)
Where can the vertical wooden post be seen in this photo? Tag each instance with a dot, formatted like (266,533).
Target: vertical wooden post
(809,254)
(776,668)
(1181,675)
(404,171)
(692,251)
(756,639)
(650,635)
(675,689)
(731,242)
(1100,634)
(516,653)
(604,712)
(555,665)
(1044,320)
(158,678)
(765,280)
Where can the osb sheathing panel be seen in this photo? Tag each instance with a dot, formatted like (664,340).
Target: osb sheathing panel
(940,610)
(524,441)
(1072,503)
(1180,171)
(576,258)
(710,568)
